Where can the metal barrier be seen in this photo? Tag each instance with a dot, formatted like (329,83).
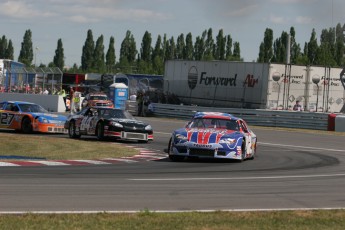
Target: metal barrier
(270,118)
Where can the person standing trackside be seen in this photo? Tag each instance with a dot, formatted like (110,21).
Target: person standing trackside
(297,106)
(140,103)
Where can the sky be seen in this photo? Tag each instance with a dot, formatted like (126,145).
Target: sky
(245,20)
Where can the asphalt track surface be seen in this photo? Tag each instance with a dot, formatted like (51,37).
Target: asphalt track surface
(292,170)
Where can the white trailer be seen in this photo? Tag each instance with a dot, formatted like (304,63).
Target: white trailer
(254,85)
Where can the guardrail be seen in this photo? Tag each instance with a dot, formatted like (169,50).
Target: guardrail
(270,118)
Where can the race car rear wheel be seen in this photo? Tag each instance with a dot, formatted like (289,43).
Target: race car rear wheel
(254,152)
(72,130)
(100,131)
(26,125)
(174,158)
(244,151)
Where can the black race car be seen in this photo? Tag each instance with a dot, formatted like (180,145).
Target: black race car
(108,122)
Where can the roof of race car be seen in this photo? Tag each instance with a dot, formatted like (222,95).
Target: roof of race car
(19,102)
(225,116)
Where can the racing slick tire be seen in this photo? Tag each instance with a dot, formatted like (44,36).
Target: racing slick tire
(100,131)
(174,158)
(72,130)
(244,151)
(26,125)
(254,153)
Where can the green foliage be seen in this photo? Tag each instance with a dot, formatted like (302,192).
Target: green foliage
(26,54)
(209,46)
(128,49)
(6,48)
(146,47)
(110,56)
(266,47)
(188,48)
(98,56)
(180,44)
(59,58)
(87,53)
(220,46)
(329,52)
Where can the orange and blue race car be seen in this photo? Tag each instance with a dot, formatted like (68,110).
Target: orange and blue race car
(29,117)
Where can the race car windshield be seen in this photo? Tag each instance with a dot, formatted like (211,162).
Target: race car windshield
(114,113)
(103,98)
(32,108)
(213,123)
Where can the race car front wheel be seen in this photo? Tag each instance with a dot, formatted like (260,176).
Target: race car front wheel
(26,125)
(173,157)
(72,130)
(100,131)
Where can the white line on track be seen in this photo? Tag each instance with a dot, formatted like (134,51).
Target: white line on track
(169,211)
(302,147)
(240,178)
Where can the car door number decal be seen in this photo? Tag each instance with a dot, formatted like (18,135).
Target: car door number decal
(6,118)
(85,123)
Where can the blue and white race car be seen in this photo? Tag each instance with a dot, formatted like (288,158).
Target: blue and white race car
(213,135)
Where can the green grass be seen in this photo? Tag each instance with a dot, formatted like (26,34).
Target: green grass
(313,220)
(60,148)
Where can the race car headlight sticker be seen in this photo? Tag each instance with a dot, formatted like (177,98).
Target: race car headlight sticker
(43,120)
(181,137)
(148,127)
(229,141)
(113,123)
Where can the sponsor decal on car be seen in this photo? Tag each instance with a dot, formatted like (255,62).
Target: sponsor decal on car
(202,145)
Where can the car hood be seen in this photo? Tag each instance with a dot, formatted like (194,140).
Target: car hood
(129,122)
(206,136)
(50,116)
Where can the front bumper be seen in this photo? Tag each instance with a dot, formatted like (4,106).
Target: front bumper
(191,149)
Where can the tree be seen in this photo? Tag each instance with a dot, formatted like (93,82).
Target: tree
(295,53)
(188,48)
(3,47)
(266,47)
(170,53)
(26,54)
(157,56)
(6,48)
(220,46)
(88,52)
(340,49)
(164,47)
(326,50)
(180,46)
(312,48)
(237,51)
(9,53)
(280,48)
(128,50)
(199,46)
(98,56)
(59,55)
(209,46)
(228,52)
(110,56)
(146,47)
